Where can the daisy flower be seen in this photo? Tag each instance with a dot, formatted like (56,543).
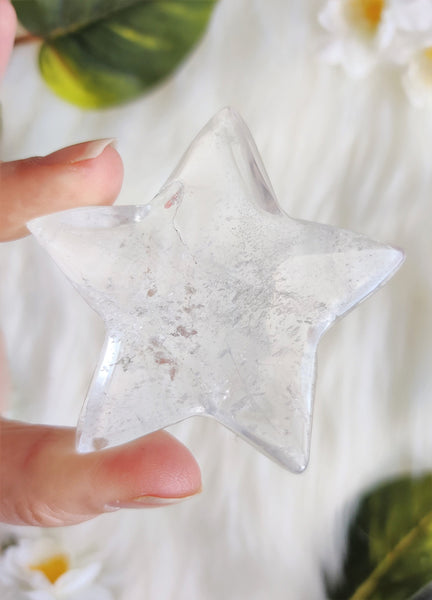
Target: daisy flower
(41,569)
(359,31)
(411,47)
(417,79)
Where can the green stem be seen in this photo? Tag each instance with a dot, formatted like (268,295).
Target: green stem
(27,38)
(365,590)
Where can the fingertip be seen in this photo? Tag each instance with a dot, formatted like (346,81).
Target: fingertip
(156,465)
(86,174)
(56,486)
(97,163)
(106,188)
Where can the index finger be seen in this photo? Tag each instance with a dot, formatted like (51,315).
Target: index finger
(7,33)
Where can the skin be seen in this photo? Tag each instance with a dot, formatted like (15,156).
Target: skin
(43,481)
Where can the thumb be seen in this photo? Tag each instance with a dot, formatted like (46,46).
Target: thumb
(44,482)
(84,174)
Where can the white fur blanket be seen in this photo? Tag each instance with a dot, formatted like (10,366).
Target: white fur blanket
(351,153)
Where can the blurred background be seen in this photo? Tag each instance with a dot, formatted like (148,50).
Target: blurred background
(338,96)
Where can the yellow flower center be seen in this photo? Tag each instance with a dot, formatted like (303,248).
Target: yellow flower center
(365,15)
(424,66)
(53,567)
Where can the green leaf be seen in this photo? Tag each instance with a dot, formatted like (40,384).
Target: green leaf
(99,53)
(389,553)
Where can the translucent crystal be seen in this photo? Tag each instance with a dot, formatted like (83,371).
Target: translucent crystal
(214,299)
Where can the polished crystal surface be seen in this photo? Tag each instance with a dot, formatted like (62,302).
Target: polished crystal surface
(214,299)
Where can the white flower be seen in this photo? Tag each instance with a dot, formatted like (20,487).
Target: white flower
(417,79)
(411,47)
(364,33)
(412,28)
(360,31)
(40,569)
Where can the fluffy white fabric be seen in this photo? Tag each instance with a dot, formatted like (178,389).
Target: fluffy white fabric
(354,154)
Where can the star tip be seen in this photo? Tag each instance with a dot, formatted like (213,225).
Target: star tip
(401,254)
(227,114)
(229,111)
(386,260)
(296,462)
(300,466)
(37,226)
(396,258)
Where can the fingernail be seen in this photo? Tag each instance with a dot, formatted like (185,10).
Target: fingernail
(147,501)
(92,149)
(79,152)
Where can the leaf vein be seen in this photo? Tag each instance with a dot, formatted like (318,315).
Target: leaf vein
(370,584)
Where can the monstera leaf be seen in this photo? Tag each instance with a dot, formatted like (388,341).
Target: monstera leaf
(389,555)
(98,53)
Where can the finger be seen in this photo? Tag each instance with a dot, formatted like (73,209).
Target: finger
(85,174)
(7,33)
(45,482)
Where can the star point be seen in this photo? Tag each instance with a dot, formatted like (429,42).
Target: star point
(214,299)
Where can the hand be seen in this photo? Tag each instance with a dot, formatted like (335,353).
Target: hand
(43,481)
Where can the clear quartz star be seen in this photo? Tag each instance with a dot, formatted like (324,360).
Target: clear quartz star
(214,300)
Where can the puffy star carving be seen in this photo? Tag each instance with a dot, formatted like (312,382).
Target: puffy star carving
(214,299)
